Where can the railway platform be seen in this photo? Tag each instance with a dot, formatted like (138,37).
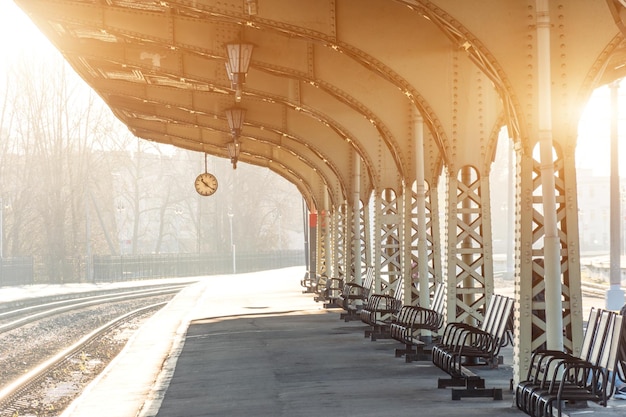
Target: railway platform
(225,346)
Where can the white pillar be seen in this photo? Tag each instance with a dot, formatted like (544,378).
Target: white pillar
(552,244)
(422,250)
(510,213)
(615,295)
(330,271)
(356,218)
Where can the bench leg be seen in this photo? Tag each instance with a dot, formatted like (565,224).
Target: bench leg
(350,315)
(474,387)
(421,353)
(455,381)
(495,393)
(407,350)
(380,332)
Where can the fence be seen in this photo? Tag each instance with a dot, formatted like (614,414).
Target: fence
(16,271)
(25,271)
(130,267)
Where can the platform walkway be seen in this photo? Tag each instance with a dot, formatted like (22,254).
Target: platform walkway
(239,350)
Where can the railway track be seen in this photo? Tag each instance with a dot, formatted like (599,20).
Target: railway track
(40,311)
(51,349)
(21,394)
(593,289)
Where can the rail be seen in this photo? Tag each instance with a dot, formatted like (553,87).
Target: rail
(10,393)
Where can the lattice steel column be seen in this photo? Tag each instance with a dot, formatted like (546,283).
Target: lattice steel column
(323,240)
(433,230)
(365,235)
(470,265)
(530,315)
(312,244)
(433,246)
(343,234)
(331,249)
(410,255)
(388,226)
(356,261)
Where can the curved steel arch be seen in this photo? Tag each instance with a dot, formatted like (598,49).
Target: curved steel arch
(383,131)
(290,173)
(323,163)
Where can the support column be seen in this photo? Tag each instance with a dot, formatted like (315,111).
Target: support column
(328,238)
(323,241)
(422,253)
(470,273)
(367,244)
(356,220)
(530,286)
(615,294)
(334,253)
(552,248)
(388,240)
(312,246)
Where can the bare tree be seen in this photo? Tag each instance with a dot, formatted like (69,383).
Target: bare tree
(74,182)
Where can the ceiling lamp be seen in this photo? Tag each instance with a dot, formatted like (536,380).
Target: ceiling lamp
(235,116)
(233,149)
(237,65)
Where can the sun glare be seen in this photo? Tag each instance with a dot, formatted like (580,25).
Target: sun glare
(594,132)
(19,34)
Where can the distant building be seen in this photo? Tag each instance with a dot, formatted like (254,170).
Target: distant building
(594,211)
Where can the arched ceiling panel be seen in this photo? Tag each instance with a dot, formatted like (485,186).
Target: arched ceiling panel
(310,180)
(435,75)
(509,41)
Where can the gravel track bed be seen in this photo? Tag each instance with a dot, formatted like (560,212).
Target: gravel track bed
(24,348)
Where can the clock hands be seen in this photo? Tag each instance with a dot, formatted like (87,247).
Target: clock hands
(206,184)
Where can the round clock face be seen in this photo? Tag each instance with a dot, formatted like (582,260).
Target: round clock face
(206,184)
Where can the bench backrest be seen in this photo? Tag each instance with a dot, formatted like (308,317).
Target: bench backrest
(621,355)
(501,327)
(438,304)
(590,332)
(493,313)
(602,333)
(610,354)
(398,292)
(368,281)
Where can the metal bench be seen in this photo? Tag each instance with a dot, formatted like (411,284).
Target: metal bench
(541,361)
(328,290)
(307,282)
(559,378)
(478,345)
(380,310)
(353,293)
(412,321)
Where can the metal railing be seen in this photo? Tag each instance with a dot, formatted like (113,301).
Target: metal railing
(129,267)
(16,271)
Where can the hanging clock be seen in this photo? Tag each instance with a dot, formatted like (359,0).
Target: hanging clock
(206,184)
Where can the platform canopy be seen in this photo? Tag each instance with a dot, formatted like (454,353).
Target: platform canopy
(334,81)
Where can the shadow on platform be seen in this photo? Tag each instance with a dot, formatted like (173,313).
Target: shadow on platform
(300,364)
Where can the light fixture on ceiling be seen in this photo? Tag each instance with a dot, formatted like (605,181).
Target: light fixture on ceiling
(235,116)
(252,7)
(239,55)
(233,152)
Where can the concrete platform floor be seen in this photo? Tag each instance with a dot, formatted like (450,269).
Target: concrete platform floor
(228,347)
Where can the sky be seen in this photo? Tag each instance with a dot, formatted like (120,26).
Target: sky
(19,35)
